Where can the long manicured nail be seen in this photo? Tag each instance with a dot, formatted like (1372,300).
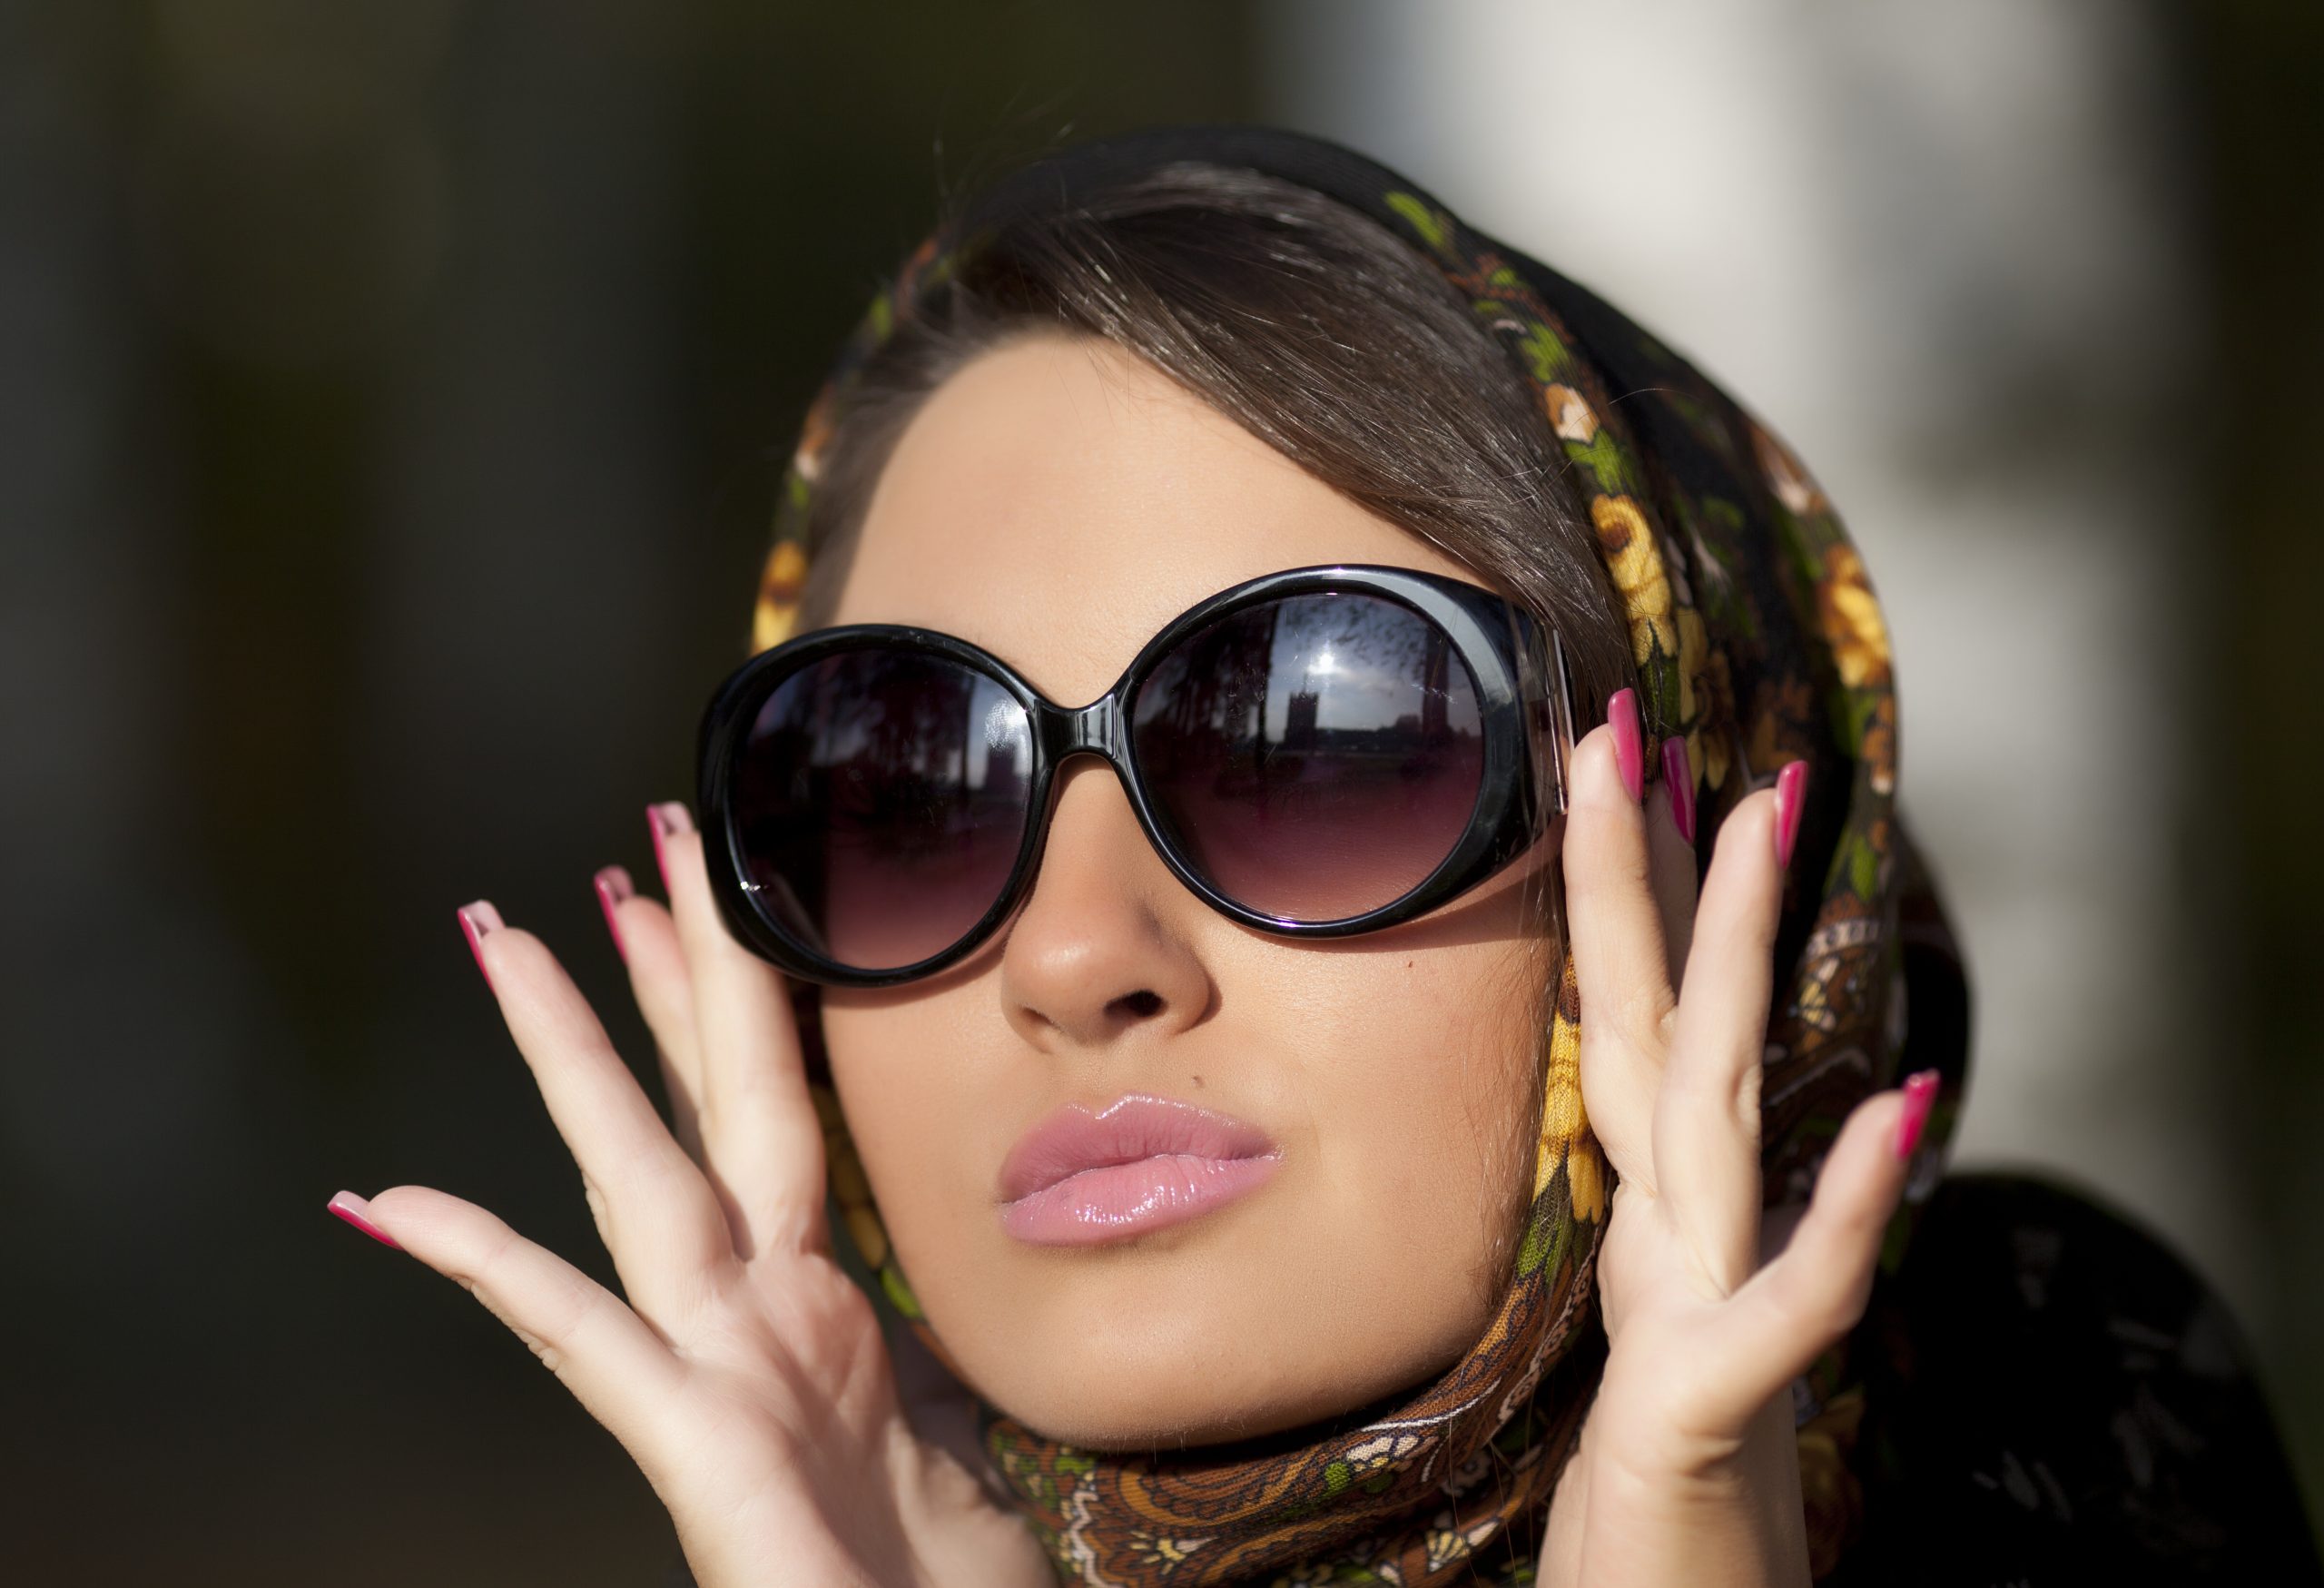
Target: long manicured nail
(1920,1091)
(613,887)
(667,819)
(1680,776)
(475,920)
(1791,787)
(357,1212)
(1630,743)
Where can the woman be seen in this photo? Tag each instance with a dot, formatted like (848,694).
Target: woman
(1367,1134)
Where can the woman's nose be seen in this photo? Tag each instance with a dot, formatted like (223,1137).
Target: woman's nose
(1104,943)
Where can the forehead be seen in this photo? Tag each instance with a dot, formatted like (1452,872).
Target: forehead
(1058,500)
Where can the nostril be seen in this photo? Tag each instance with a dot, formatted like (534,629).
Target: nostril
(1141,1003)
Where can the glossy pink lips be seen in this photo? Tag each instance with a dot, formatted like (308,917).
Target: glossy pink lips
(1140,1163)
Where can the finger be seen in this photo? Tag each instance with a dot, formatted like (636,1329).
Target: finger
(1670,844)
(1621,965)
(1814,1290)
(648,938)
(655,1211)
(759,1128)
(616,1366)
(1707,1119)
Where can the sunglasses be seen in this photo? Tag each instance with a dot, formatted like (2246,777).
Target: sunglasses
(1315,753)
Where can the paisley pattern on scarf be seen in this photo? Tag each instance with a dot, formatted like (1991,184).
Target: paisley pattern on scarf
(1756,637)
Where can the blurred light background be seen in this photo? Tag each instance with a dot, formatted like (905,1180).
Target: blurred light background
(390,400)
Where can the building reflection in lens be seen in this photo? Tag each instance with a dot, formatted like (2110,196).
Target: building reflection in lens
(882,797)
(1316,756)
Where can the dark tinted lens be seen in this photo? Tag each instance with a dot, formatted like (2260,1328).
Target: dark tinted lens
(1317,757)
(879,798)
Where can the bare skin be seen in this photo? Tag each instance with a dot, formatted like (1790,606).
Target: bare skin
(1057,501)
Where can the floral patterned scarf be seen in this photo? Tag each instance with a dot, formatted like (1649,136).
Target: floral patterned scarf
(1758,637)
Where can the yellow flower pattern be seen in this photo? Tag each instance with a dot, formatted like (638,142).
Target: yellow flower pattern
(781,582)
(1636,565)
(1852,619)
(1565,1140)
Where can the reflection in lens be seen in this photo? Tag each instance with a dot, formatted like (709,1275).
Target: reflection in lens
(1315,757)
(880,800)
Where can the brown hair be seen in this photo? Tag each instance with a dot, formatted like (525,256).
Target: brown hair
(1311,325)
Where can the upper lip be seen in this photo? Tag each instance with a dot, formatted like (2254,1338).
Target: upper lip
(1074,1138)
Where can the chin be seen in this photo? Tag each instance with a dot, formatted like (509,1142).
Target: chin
(1143,1351)
(1104,1401)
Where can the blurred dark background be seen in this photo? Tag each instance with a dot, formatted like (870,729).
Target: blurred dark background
(390,402)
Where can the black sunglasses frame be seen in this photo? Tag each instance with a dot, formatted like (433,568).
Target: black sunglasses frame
(1525,702)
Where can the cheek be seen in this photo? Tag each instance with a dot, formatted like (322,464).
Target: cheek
(920,1105)
(1429,1059)
(1422,1089)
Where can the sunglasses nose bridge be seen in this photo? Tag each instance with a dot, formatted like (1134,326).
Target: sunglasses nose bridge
(1095,728)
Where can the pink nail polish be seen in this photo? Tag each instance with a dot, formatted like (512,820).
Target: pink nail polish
(1680,776)
(357,1212)
(613,887)
(667,818)
(1920,1091)
(1791,788)
(475,920)
(1630,744)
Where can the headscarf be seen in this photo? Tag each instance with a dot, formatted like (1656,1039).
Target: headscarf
(1756,637)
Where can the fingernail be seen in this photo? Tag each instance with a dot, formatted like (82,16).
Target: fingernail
(613,887)
(1791,786)
(665,819)
(1680,776)
(357,1212)
(1629,745)
(1920,1091)
(475,920)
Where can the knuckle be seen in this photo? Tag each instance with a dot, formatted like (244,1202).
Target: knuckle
(490,1253)
(565,1308)
(1601,851)
(1607,1040)
(641,1162)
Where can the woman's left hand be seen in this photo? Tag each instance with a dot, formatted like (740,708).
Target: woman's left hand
(1687,1470)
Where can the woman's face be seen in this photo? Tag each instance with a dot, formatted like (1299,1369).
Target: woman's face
(1057,501)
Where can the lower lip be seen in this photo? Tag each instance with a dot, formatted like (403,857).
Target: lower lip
(1124,1200)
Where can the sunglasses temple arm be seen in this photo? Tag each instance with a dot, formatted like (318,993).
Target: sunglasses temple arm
(1562,729)
(1550,723)
(1550,720)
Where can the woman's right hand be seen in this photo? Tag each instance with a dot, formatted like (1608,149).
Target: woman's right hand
(746,1374)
